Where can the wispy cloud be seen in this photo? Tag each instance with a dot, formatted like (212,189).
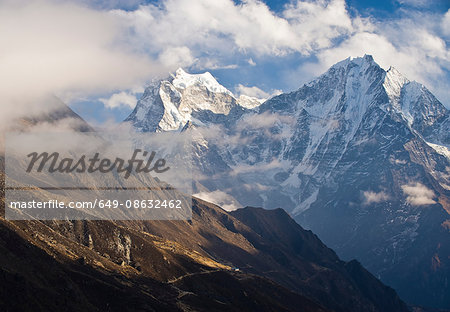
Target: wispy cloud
(220,198)
(222,27)
(120,99)
(414,3)
(371,197)
(445,24)
(251,91)
(65,49)
(418,194)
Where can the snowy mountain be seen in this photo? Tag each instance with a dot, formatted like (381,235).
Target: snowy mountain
(169,104)
(360,155)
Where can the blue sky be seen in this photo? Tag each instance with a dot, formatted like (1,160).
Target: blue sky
(98,56)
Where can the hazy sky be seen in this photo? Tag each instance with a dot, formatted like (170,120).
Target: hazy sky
(99,55)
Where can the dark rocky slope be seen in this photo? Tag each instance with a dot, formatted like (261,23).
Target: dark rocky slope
(182,265)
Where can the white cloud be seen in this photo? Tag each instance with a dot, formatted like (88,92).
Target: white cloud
(244,168)
(48,46)
(65,49)
(176,57)
(255,92)
(371,197)
(264,121)
(256,186)
(222,27)
(446,24)
(418,194)
(252,91)
(317,23)
(120,99)
(400,162)
(414,3)
(222,199)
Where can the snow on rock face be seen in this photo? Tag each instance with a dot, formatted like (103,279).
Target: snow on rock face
(184,80)
(425,113)
(393,84)
(418,107)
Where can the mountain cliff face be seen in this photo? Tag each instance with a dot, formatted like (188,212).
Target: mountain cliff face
(359,155)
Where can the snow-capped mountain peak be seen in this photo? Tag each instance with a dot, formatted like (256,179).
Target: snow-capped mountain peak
(183,80)
(355,61)
(354,85)
(169,104)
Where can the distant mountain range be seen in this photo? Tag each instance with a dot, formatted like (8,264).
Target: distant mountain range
(359,155)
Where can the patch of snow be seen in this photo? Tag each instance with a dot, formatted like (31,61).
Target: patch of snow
(440,149)
(303,206)
(183,80)
(393,84)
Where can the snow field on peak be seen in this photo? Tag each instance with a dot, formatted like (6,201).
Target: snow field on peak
(183,80)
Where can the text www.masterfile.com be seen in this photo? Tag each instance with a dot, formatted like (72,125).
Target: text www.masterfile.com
(97,203)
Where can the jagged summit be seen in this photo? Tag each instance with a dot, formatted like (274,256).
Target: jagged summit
(367,58)
(361,83)
(362,64)
(170,103)
(184,80)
